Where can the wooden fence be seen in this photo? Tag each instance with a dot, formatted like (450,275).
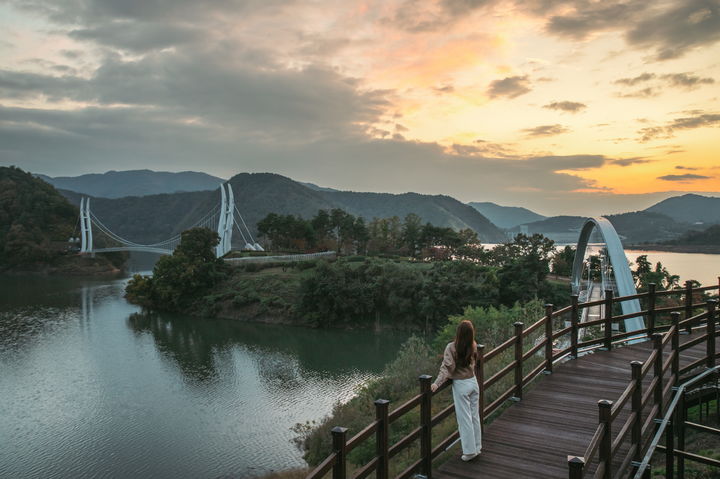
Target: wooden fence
(518,351)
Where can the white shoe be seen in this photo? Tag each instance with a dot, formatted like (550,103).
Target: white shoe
(468,457)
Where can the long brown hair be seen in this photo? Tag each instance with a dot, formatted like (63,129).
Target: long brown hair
(464,344)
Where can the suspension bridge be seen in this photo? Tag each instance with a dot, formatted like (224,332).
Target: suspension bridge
(223,218)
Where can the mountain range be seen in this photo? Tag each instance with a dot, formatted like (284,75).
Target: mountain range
(153,218)
(148,206)
(117,184)
(506,216)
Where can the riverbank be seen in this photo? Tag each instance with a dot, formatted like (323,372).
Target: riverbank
(71,265)
(353,293)
(677,248)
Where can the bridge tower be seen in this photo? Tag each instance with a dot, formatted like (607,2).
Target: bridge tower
(226,222)
(618,262)
(86,238)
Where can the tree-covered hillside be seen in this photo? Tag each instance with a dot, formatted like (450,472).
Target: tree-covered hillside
(35,220)
(707,237)
(153,218)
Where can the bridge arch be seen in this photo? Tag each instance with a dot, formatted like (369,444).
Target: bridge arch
(618,261)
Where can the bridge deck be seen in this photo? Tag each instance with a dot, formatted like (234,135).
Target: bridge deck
(556,417)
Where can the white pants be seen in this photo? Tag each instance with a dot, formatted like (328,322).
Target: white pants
(466,395)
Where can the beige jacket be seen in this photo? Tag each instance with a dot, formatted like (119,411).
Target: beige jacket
(448,369)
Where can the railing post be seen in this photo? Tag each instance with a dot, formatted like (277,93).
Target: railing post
(339,439)
(636,367)
(518,360)
(576,466)
(426,428)
(574,321)
(381,438)
(605,453)
(608,319)
(711,304)
(669,451)
(658,393)
(549,308)
(480,377)
(675,319)
(688,303)
(651,309)
(682,418)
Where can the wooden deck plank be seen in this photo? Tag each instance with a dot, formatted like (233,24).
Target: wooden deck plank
(557,417)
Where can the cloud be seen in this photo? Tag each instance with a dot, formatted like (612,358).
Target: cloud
(635,80)
(687,81)
(687,24)
(568,106)
(683,178)
(545,130)
(444,89)
(137,36)
(630,161)
(680,167)
(644,93)
(509,87)
(590,17)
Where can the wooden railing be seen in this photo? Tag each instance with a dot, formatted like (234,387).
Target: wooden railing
(533,347)
(647,393)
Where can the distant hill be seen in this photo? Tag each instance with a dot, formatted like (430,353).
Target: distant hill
(554,224)
(506,216)
(157,217)
(645,227)
(117,184)
(440,210)
(706,237)
(634,227)
(690,209)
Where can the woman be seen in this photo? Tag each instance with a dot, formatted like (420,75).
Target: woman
(459,365)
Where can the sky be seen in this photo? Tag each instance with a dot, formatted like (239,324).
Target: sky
(564,107)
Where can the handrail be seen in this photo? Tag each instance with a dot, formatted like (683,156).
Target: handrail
(667,418)
(664,373)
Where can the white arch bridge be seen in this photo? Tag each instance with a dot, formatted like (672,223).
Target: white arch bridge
(224,218)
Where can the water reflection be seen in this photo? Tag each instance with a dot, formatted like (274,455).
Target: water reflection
(284,353)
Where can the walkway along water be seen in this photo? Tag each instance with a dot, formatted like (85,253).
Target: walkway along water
(593,416)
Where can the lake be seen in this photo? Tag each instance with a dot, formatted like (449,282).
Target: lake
(91,387)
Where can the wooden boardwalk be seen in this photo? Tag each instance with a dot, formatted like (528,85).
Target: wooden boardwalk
(556,418)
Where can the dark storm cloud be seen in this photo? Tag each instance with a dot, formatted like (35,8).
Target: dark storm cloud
(510,87)
(545,130)
(683,178)
(568,106)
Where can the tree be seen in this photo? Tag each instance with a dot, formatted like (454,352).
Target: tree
(562,261)
(184,276)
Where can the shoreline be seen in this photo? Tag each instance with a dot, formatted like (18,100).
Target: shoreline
(669,248)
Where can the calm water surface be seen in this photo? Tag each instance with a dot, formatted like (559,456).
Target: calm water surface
(700,267)
(93,388)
